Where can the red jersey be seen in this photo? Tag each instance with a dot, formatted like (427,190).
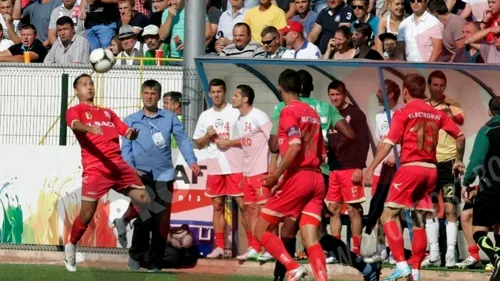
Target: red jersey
(300,123)
(97,149)
(492,23)
(416,127)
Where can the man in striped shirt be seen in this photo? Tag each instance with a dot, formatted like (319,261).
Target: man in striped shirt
(242,46)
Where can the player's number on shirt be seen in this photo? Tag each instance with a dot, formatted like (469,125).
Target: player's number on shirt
(427,135)
(248,126)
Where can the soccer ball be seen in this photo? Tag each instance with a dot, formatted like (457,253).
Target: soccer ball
(102,60)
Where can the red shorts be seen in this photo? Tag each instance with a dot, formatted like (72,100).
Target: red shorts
(99,180)
(253,191)
(301,192)
(224,185)
(412,187)
(375,180)
(341,189)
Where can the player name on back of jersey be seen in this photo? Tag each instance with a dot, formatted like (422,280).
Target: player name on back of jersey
(424,115)
(310,119)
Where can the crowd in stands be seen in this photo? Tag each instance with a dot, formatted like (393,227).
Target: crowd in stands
(65,31)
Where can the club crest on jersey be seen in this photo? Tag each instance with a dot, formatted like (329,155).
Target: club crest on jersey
(88,115)
(219,123)
(106,113)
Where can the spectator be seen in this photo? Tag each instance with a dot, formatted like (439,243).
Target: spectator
(242,47)
(131,47)
(467,54)
(70,48)
(338,14)
(389,45)
(360,39)
(360,8)
(115,47)
(158,6)
(489,51)
(10,26)
(38,13)
(491,18)
(271,47)
(213,15)
(340,47)
(297,46)
(29,43)
(173,26)
(248,4)
(420,35)
(227,21)
(266,14)
(305,15)
(318,5)
(390,22)
(453,38)
(4,43)
(288,6)
(100,22)
(143,7)
(476,8)
(69,8)
(129,16)
(152,39)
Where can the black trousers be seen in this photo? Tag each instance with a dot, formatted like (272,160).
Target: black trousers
(149,238)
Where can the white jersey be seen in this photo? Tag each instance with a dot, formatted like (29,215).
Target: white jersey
(225,123)
(381,131)
(254,131)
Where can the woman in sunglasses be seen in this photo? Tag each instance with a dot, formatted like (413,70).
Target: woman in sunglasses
(390,22)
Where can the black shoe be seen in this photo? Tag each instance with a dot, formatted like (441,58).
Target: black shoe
(374,273)
(495,274)
(279,278)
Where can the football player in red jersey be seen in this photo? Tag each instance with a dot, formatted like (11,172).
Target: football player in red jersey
(415,127)
(98,130)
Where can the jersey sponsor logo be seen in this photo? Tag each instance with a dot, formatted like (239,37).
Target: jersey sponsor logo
(293,131)
(88,115)
(424,115)
(102,124)
(106,113)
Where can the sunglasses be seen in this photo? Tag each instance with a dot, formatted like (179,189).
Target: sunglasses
(268,41)
(416,1)
(358,7)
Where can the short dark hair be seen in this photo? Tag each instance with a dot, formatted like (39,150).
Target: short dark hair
(289,81)
(415,84)
(270,29)
(28,26)
(436,74)
(174,96)
(392,87)
(240,24)
(151,84)
(247,91)
(306,80)
(217,82)
(494,106)
(65,20)
(77,79)
(364,28)
(338,85)
(346,31)
(438,6)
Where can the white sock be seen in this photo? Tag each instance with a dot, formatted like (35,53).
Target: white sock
(402,265)
(416,274)
(432,232)
(451,238)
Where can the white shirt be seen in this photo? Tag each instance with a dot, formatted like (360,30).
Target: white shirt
(5,44)
(307,51)
(417,36)
(477,7)
(381,131)
(254,131)
(227,21)
(225,123)
(4,24)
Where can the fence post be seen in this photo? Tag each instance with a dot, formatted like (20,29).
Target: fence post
(63,129)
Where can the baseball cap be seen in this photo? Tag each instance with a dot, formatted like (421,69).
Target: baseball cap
(126,31)
(292,26)
(387,35)
(150,30)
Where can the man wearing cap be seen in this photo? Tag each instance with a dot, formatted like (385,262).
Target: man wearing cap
(298,46)
(131,47)
(152,40)
(389,45)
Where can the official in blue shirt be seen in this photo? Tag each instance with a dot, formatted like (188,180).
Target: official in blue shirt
(151,155)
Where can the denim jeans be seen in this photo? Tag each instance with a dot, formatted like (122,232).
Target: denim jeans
(318,5)
(100,36)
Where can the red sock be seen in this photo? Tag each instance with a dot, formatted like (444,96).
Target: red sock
(131,213)
(418,247)
(337,236)
(356,244)
(474,252)
(395,240)
(219,240)
(317,260)
(77,230)
(275,247)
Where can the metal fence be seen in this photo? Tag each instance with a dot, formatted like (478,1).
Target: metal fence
(33,97)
